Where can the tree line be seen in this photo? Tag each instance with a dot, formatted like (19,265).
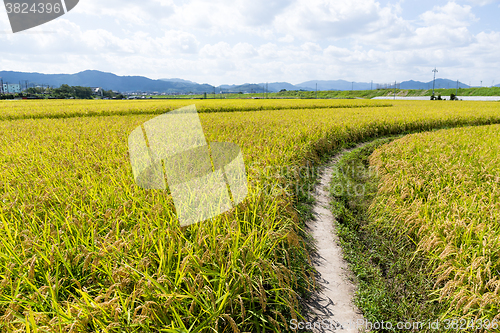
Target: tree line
(63,92)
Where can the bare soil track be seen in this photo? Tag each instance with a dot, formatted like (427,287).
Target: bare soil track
(332,307)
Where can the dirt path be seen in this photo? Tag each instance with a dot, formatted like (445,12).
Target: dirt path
(332,306)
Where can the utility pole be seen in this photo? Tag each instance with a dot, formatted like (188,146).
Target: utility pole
(481,83)
(316,90)
(434,81)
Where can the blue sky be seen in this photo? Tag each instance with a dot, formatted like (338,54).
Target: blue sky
(241,41)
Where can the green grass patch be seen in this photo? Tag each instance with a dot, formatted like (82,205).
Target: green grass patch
(418,222)
(392,282)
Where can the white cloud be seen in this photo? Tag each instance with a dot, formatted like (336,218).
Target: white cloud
(450,15)
(270,51)
(244,51)
(317,19)
(219,50)
(238,41)
(311,48)
(177,41)
(482,2)
(127,12)
(286,39)
(226,17)
(333,51)
(441,27)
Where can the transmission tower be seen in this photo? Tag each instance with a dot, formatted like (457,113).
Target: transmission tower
(434,81)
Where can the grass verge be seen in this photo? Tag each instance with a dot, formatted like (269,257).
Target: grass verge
(392,281)
(418,221)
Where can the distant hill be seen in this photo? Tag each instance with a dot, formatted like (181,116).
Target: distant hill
(346,85)
(278,86)
(335,85)
(244,88)
(107,81)
(415,85)
(440,83)
(258,88)
(178,80)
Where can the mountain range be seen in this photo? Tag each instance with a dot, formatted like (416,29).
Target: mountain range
(107,81)
(130,84)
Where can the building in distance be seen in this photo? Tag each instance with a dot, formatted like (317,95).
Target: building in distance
(11,88)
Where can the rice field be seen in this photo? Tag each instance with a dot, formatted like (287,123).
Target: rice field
(84,249)
(14,109)
(442,189)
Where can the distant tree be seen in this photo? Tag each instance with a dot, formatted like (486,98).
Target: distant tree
(64,91)
(34,91)
(108,93)
(82,92)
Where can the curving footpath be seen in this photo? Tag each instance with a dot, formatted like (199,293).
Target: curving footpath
(332,308)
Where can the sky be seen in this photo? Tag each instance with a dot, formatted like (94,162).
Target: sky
(242,41)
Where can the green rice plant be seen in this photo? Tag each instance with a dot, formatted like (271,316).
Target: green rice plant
(25,109)
(392,283)
(84,249)
(441,190)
